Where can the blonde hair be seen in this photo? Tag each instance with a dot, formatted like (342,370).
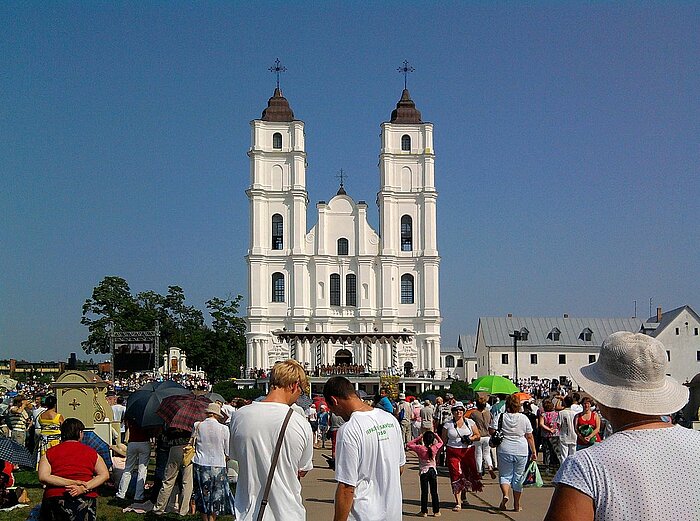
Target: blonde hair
(287,373)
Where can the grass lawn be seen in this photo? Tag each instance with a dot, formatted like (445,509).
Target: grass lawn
(109,508)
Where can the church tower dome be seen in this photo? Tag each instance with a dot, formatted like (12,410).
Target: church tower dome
(278,108)
(405,111)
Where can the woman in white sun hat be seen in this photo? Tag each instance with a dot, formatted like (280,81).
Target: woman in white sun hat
(648,469)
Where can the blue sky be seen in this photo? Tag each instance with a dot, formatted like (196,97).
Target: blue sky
(566,137)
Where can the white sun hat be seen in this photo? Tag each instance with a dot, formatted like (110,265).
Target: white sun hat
(630,374)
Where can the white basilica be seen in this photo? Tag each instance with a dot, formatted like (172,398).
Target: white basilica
(341,293)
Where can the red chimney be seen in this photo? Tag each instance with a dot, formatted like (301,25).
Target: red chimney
(658,314)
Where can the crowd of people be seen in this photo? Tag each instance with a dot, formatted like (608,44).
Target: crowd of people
(127,384)
(621,424)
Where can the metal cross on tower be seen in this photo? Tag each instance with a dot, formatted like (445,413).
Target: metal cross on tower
(342,176)
(405,70)
(277,69)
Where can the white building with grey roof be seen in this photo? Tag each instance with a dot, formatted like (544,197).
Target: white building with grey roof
(546,347)
(679,331)
(459,361)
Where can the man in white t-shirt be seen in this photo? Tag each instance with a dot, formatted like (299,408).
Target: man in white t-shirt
(255,429)
(369,457)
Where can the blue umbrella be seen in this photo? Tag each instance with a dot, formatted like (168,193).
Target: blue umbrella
(93,440)
(142,405)
(15,453)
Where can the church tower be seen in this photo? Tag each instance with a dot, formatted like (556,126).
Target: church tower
(277,272)
(409,259)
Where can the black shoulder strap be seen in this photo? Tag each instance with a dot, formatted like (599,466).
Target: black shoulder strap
(275,457)
(500,421)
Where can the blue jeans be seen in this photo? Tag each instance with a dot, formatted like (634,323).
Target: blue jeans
(511,469)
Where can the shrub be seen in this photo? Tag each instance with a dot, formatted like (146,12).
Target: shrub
(461,390)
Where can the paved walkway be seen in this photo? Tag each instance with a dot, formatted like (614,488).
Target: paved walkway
(319,488)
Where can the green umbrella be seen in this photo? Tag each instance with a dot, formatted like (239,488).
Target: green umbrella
(494,384)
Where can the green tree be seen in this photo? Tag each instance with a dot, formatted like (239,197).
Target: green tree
(222,349)
(111,303)
(219,350)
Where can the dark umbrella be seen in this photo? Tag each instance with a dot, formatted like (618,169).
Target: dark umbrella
(93,440)
(15,453)
(144,402)
(181,412)
(215,397)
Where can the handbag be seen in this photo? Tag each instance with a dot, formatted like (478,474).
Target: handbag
(275,457)
(532,477)
(497,437)
(188,450)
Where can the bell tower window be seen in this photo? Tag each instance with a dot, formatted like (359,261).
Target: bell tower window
(407,288)
(335,289)
(277,141)
(406,143)
(277,287)
(406,233)
(350,290)
(277,232)
(342,246)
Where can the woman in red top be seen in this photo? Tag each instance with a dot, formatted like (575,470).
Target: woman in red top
(71,471)
(587,425)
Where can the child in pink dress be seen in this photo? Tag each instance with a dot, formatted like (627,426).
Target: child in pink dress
(426,447)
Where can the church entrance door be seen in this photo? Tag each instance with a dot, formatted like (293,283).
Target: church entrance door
(408,369)
(343,357)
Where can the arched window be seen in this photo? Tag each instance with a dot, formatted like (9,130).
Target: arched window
(350,290)
(278,287)
(449,361)
(406,233)
(277,140)
(406,142)
(277,232)
(335,289)
(406,288)
(342,246)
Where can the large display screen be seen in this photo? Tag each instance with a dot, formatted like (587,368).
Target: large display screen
(134,356)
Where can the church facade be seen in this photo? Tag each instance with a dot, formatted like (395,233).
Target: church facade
(341,293)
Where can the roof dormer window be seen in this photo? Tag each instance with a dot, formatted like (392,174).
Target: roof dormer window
(554,334)
(586,335)
(524,333)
